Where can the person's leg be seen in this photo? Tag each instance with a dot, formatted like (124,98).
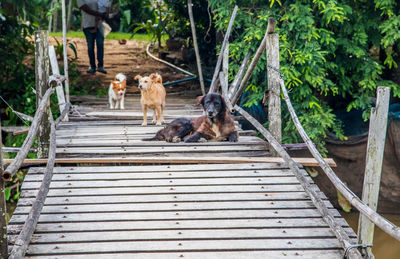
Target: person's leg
(100,52)
(90,38)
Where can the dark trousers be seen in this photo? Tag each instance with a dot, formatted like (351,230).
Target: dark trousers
(90,39)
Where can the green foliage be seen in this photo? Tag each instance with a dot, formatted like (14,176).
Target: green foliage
(325,55)
(59,49)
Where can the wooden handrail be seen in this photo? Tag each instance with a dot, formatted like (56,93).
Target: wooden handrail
(318,202)
(224,43)
(380,221)
(63,114)
(15,165)
(22,241)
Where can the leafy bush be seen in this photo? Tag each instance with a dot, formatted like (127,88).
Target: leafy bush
(326,55)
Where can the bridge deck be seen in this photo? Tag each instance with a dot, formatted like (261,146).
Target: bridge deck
(251,210)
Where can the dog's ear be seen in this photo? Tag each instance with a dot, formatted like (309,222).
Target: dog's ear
(200,100)
(156,78)
(138,77)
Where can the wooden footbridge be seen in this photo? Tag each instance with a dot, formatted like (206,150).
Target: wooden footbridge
(104,193)
(169,209)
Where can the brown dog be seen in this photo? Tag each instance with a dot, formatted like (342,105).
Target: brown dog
(217,125)
(153,96)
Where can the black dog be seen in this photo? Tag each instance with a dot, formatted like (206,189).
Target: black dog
(175,131)
(217,125)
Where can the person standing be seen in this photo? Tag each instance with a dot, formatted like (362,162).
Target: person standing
(89,11)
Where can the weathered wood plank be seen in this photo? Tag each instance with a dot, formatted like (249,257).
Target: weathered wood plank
(163,168)
(177,160)
(164,149)
(171,182)
(67,200)
(183,245)
(165,175)
(177,215)
(165,190)
(284,253)
(172,206)
(199,234)
(212,224)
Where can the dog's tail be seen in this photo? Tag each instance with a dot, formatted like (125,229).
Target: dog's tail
(151,139)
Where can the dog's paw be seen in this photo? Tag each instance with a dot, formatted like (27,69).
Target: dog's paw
(158,123)
(202,140)
(144,124)
(176,139)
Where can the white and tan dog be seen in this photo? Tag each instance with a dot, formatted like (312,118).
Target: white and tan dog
(116,92)
(152,96)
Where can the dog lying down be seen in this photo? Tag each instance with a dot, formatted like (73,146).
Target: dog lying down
(216,125)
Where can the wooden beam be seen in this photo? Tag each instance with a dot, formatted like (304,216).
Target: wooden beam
(196,47)
(42,85)
(177,160)
(373,167)
(219,61)
(3,220)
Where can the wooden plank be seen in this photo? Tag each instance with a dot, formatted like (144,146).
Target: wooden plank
(171,206)
(165,175)
(173,182)
(200,234)
(183,245)
(67,200)
(139,115)
(284,253)
(178,215)
(212,224)
(162,168)
(156,150)
(179,160)
(165,190)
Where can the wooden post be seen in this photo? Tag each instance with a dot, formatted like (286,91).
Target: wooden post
(219,61)
(42,78)
(373,166)
(3,219)
(196,47)
(64,31)
(273,92)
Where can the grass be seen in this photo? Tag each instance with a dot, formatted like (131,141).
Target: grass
(111,36)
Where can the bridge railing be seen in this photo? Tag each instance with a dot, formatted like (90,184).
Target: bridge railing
(275,85)
(42,115)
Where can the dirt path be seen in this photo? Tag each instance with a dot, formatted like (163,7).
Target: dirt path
(130,59)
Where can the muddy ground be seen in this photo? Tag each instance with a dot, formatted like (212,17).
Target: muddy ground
(130,59)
